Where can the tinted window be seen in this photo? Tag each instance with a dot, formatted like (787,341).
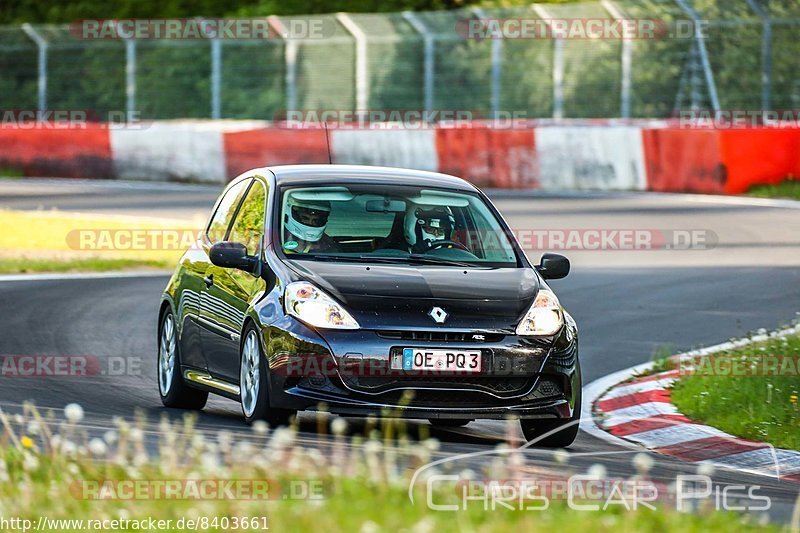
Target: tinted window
(218,226)
(349,220)
(398,223)
(248,228)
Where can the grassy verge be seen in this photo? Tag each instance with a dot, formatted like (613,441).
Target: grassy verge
(789,188)
(751,392)
(53,241)
(47,465)
(93,264)
(10,173)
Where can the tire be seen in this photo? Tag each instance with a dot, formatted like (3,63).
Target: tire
(253,383)
(172,388)
(449,422)
(533,429)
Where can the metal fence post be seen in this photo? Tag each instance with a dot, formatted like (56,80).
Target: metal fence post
(703,53)
(290,60)
(626,60)
(216,71)
(558,64)
(216,78)
(497,66)
(130,73)
(362,73)
(766,54)
(41,43)
(429,44)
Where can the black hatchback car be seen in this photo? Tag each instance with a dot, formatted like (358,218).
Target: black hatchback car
(372,291)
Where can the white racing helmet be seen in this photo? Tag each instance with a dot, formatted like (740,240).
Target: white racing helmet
(306,219)
(425,225)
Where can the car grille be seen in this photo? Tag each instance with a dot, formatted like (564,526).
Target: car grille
(501,386)
(546,388)
(442,336)
(444,398)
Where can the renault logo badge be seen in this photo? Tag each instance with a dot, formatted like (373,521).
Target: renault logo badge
(438,315)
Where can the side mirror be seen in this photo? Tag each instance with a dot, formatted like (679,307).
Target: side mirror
(228,254)
(553,266)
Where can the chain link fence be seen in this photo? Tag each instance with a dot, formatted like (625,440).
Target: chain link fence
(708,54)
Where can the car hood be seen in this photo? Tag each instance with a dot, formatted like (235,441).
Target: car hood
(398,297)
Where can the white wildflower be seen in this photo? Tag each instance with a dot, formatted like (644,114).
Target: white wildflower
(30,462)
(97,447)
(431,445)
(705,469)
(110,436)
(137,435)
(339,426)
(74,413)
(597,471)
(561,456)
(642,462)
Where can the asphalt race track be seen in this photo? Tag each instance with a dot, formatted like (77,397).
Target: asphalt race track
(627,304)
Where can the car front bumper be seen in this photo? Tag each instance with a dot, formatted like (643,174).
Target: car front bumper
(348,372)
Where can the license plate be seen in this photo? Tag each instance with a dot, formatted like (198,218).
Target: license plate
(438,360)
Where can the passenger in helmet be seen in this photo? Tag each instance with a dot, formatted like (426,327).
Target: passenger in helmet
(304,224)
(425,225)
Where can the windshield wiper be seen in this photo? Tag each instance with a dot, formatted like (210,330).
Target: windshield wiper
(420,259)
(326,257)
(417,259)
(434,260)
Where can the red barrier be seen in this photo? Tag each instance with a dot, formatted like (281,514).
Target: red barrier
(677,160)
(267,147)
(756,156)
(71,153)
(487,157)
(684,160)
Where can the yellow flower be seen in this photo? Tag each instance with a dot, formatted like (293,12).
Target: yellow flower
(793,398)
(27,442)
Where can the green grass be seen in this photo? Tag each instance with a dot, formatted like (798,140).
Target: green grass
(45,462)
(662,361)
(789,188)
(49,241)
(10,173)
(93,264)
(763,407)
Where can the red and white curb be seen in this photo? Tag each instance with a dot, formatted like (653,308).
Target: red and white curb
(637,412)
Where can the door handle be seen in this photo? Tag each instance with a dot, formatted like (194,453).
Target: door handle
(209,280)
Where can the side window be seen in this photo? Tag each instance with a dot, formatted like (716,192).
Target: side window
(221,220)
(248,228)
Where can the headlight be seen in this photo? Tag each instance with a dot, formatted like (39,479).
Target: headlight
(545,316)
(309,304)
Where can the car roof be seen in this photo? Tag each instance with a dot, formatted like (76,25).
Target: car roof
(308,174)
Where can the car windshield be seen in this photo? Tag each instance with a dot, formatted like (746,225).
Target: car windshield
(392,224)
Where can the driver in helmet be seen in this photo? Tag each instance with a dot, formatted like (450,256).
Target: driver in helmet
(304,224)
(427,226)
